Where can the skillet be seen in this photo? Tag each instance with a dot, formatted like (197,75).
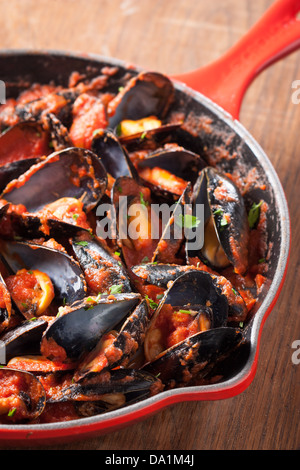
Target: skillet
(215,94)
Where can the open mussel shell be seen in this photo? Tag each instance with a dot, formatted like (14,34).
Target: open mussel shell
(72,172)
(13,170)
(197,288)
(162,274)
(28,399)
(22,141)
(126,343)
(130,384)
(149,137)
(226,234)
(114,157)
(147,94)
(192,360)
(137,227)
(193,293)
(103,269)
(5,305)
(59,134)
(176,160)
(65,273)
(173,235)
(78,328)
(25,338)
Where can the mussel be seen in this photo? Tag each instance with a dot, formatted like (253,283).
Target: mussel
(79,327)
(163,274)
(191,361)
(116,348)
(193,302)
(25,338)
(5,305)
(168,171)
(64,272)
(24,140)
(114,157)
(23,397)
(72,172)
(147,94)
(102,267)
(109,390)
(137,226)
(226,235)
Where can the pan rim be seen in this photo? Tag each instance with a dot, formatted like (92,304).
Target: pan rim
(245,376)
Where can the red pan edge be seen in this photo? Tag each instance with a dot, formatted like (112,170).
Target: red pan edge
(82,429)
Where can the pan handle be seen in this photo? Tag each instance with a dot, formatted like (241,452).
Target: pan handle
(226,80)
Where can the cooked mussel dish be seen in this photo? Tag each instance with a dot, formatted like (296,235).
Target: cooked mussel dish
(132,260)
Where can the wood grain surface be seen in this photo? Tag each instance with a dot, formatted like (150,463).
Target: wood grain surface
(175,36)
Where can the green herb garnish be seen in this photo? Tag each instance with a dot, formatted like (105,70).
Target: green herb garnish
(116,289)
(82,243)
(142,200)
(254,213)
(11,412)
(152,304)
(187,221)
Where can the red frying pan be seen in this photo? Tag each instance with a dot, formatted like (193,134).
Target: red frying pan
(214,92)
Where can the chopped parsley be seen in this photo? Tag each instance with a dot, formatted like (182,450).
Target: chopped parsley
(116,289)
(186,311)
(151,302)
(11,412)
(82,243)
(254,213)
(187,221)
(142,200)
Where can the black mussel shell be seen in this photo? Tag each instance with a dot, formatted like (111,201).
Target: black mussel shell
(177,160)
(161,274)
(24,140)
(13,170)
(64,272)
(95,258)
(114,157)
(59,134)
(6,308)
(133,193)
(73,172)
(174,232)
(189,362)
(25,339)
(197,288)
(79,327)
(147,94)
(134,384)
(128,340)
(226,214)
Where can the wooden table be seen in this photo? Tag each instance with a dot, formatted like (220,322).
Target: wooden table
(174,36)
